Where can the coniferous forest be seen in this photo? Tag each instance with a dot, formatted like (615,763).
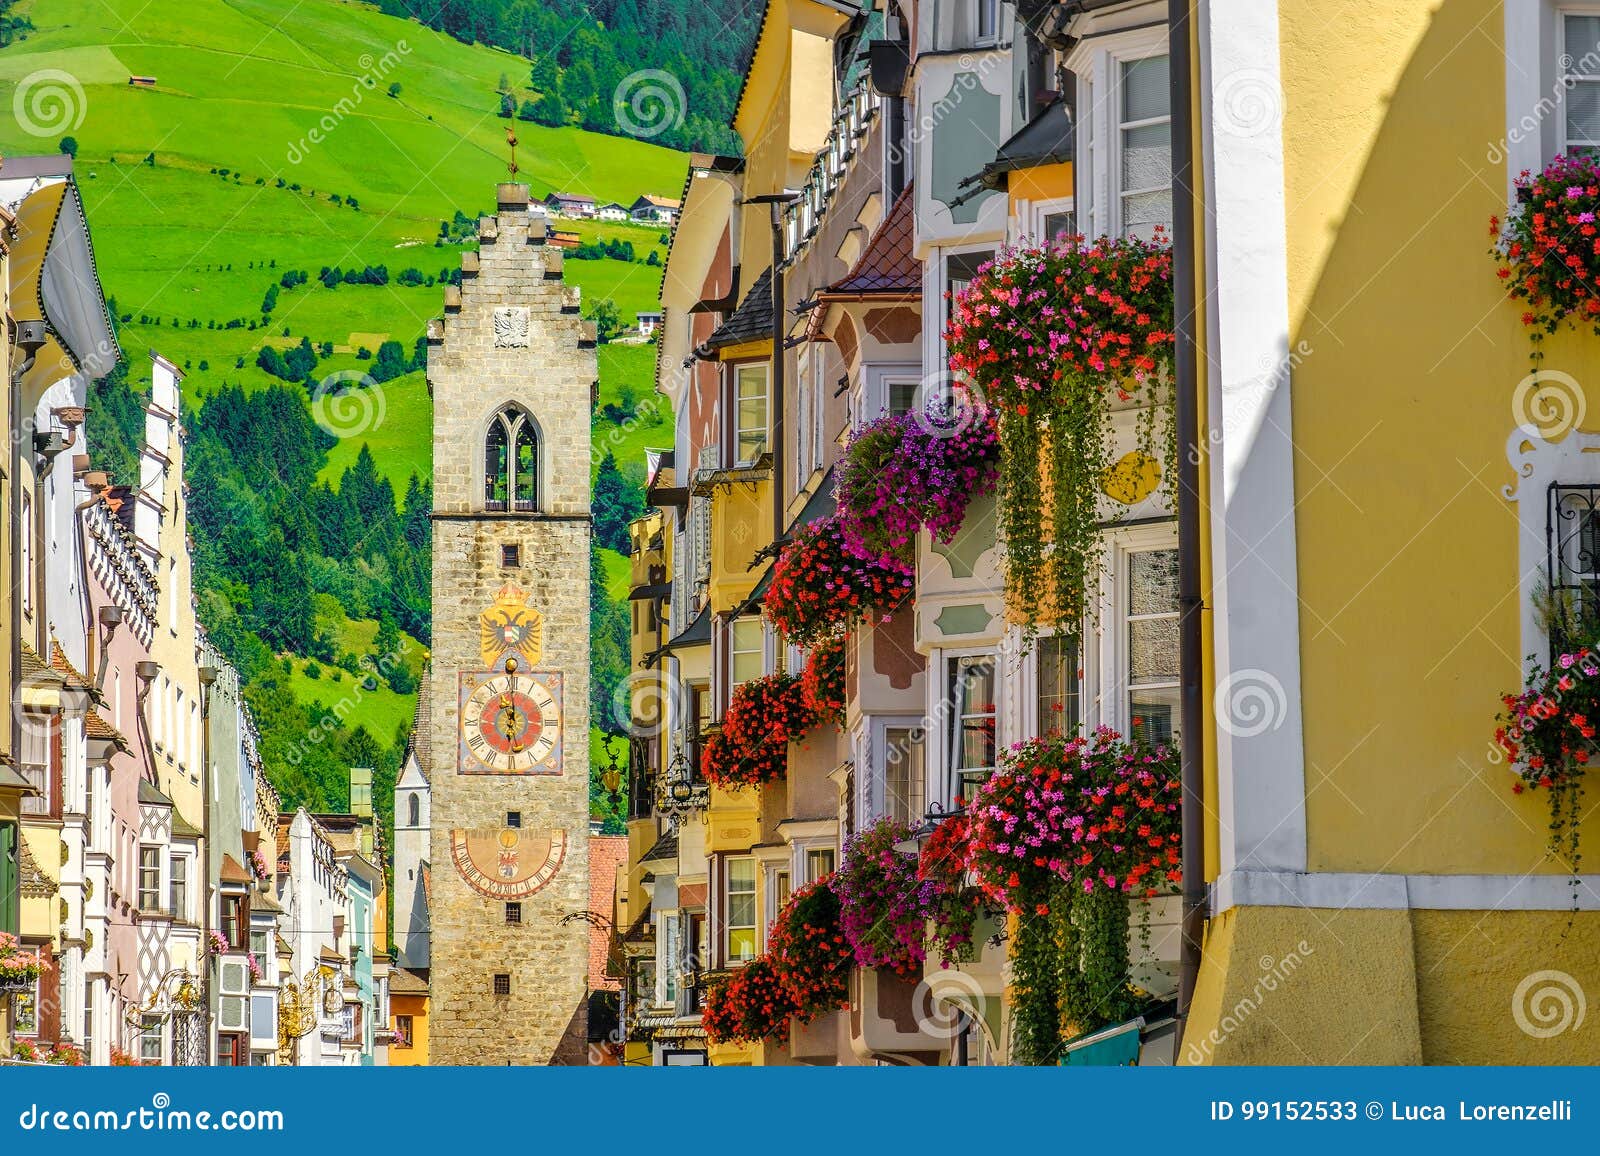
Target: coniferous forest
(581,54)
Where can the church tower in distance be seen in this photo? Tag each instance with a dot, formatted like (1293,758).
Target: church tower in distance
(511,367)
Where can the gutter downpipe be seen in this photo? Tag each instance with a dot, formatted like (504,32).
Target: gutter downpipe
(776,203)
(1186,419)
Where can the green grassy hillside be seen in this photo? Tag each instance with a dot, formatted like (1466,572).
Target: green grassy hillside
(205,189)
(280,138)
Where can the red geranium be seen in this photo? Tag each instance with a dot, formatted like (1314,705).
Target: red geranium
(822,684)
(809,950)
(1033,319)
(1548,249)
(820,587)
(764,716)
(1093,810)
(751,1004)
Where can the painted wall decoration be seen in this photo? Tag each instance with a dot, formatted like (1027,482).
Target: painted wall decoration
(511,624)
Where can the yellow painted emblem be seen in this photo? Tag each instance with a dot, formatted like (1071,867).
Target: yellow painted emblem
(511,626)
(1132,479)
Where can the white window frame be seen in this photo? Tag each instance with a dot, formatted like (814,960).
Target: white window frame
(1097,63)
(1566,80)
(669,957)
(870,401)
(1038,211)
(733,653)
(26,532)
(152,1030)
(1028,688)
(804,386)
(934,304)
(995,10)
(947,714)
(772,862)
(739,370)
(174,859)
(937,750)
(871,746)
(817,848)
(1105,645)
(728,926)
(157,888)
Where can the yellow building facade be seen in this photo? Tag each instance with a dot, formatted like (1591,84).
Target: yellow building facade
(1377,527)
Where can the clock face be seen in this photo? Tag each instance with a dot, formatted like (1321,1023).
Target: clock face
(511,723)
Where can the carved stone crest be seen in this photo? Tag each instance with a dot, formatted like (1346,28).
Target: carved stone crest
(511,328)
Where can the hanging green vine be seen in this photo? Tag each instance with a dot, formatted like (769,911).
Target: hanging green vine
(1035,985)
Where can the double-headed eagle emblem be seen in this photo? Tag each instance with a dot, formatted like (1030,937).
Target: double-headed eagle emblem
(511,626)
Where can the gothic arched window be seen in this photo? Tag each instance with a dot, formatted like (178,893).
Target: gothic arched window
(511,461)
(415,810)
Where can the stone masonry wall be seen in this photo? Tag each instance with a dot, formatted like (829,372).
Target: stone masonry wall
(550,371)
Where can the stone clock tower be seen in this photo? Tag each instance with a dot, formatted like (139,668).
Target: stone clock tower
(510,366)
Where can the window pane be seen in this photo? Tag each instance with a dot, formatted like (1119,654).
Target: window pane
(527,464)
(1153,650)
(1583,112)
(494,464)
(1146,89)
(1058,224)
(1582,45)
(742,875)
(1153,714)
(1147,157)
(1143,212)
(741,945)
(902,397)
(974,698)
(818,864)
(1153,582)
(1057,665)
(748,649)
(902,774)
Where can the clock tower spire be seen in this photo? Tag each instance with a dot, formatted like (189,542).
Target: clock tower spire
(511,366)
